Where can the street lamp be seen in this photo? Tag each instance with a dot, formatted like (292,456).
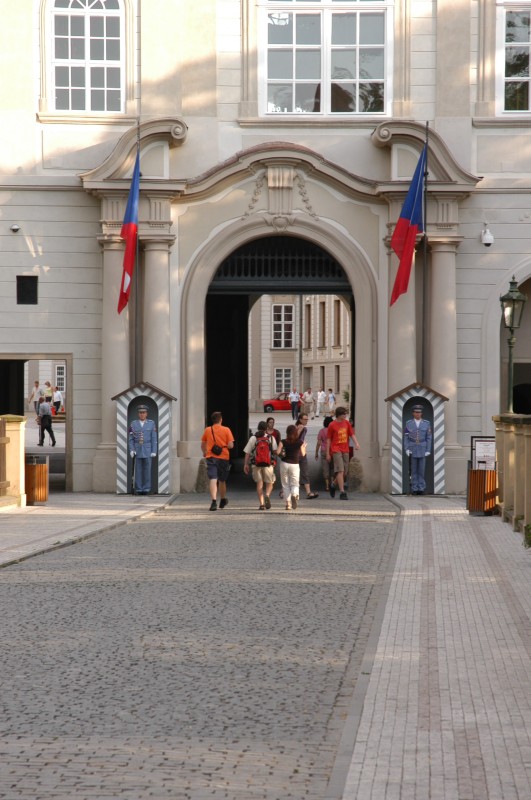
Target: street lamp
(512,305)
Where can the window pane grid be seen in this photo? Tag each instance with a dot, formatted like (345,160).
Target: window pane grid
(517,59)
(343,72)
(87,40)
(282,380)
(282,326)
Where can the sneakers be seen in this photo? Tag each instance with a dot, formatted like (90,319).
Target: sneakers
(294,501)
(343,496)
(213,506)
(332,490)
(223,502)
(267,502)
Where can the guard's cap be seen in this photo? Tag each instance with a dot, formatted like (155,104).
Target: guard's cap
(418,408)
(142,408)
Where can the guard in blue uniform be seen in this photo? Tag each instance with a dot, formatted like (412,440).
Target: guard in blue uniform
(418,440)
(143,447)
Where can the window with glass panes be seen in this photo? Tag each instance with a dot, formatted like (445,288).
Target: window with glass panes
(282,380)
(325,56)
(517,51)
(60,377)
(87,60)
(283,326)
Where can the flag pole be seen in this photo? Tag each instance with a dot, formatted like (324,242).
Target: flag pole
(137,304)
(424,259)
(137,322)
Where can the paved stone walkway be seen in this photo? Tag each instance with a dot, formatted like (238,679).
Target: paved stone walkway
(335,653)
(191,654)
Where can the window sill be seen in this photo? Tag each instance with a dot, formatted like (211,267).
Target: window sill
(85,119)
(282,121)
(523,121)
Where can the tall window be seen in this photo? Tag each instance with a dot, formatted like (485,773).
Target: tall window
(88,58)
(337,323)
(307,326)
(325,56)
(322,324)
(60,377)
(517,58)
(283,327)
(282,380)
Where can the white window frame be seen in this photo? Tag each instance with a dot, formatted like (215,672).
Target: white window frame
(502,7)
(60,377)
(326,8)
(125,64)
(283,378)
(283,322)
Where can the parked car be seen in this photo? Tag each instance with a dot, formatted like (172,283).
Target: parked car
(279,402)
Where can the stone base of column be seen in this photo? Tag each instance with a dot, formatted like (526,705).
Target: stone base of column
(104,468)
(385,470)
(455,469)
(189,471)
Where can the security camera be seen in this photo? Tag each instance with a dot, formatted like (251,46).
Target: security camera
(487,238)
(15,228)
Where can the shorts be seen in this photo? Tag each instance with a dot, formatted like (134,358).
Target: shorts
(265,474)
(326,468)
(340,462)
(218,468)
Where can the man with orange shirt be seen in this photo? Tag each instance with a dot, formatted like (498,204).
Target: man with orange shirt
(337,450)
(216,442)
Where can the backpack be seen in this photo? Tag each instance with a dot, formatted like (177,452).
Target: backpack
(262,455)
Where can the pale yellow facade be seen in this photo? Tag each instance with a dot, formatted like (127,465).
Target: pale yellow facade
(220,169)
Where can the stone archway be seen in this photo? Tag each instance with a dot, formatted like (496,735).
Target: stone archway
(363,286)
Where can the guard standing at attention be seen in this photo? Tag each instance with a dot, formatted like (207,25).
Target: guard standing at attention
(143,447)
(417,444)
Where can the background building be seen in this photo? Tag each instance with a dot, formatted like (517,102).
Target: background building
(277,142)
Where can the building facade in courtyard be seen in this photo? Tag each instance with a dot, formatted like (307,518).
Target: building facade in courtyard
(277,142)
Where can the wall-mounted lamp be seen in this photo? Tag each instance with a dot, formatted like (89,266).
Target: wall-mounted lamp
(14,228)
(487,239)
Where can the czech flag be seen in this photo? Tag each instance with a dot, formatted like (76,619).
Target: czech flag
(410,223)
(129,232)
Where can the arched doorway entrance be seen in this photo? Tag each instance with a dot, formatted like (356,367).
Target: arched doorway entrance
(273,265)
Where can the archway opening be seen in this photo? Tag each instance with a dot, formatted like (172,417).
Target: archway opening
(279,314)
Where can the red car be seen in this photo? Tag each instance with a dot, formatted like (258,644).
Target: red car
(278,403)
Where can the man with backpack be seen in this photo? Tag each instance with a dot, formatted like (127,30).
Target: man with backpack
(259,454)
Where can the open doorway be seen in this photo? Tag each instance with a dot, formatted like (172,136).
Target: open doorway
(26,378)
(279,314)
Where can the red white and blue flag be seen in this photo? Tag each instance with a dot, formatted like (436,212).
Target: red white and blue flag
(411,223)
(129,232)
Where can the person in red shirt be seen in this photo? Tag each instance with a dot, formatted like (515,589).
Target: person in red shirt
(337,450)
(216,442)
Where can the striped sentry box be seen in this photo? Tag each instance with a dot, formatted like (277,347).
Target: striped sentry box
(398,402)
(163,402)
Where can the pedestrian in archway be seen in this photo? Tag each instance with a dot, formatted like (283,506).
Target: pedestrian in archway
(302,422)
(260,460)
(337,450)
(216,442)
(294,398)
(289,451)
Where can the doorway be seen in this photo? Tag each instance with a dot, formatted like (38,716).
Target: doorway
(283,280)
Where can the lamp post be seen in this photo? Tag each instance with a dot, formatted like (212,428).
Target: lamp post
(512,304)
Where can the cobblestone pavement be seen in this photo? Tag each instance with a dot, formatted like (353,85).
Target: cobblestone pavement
(191,655)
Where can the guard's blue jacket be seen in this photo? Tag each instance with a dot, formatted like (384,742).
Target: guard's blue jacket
(143,438)
(418,439)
